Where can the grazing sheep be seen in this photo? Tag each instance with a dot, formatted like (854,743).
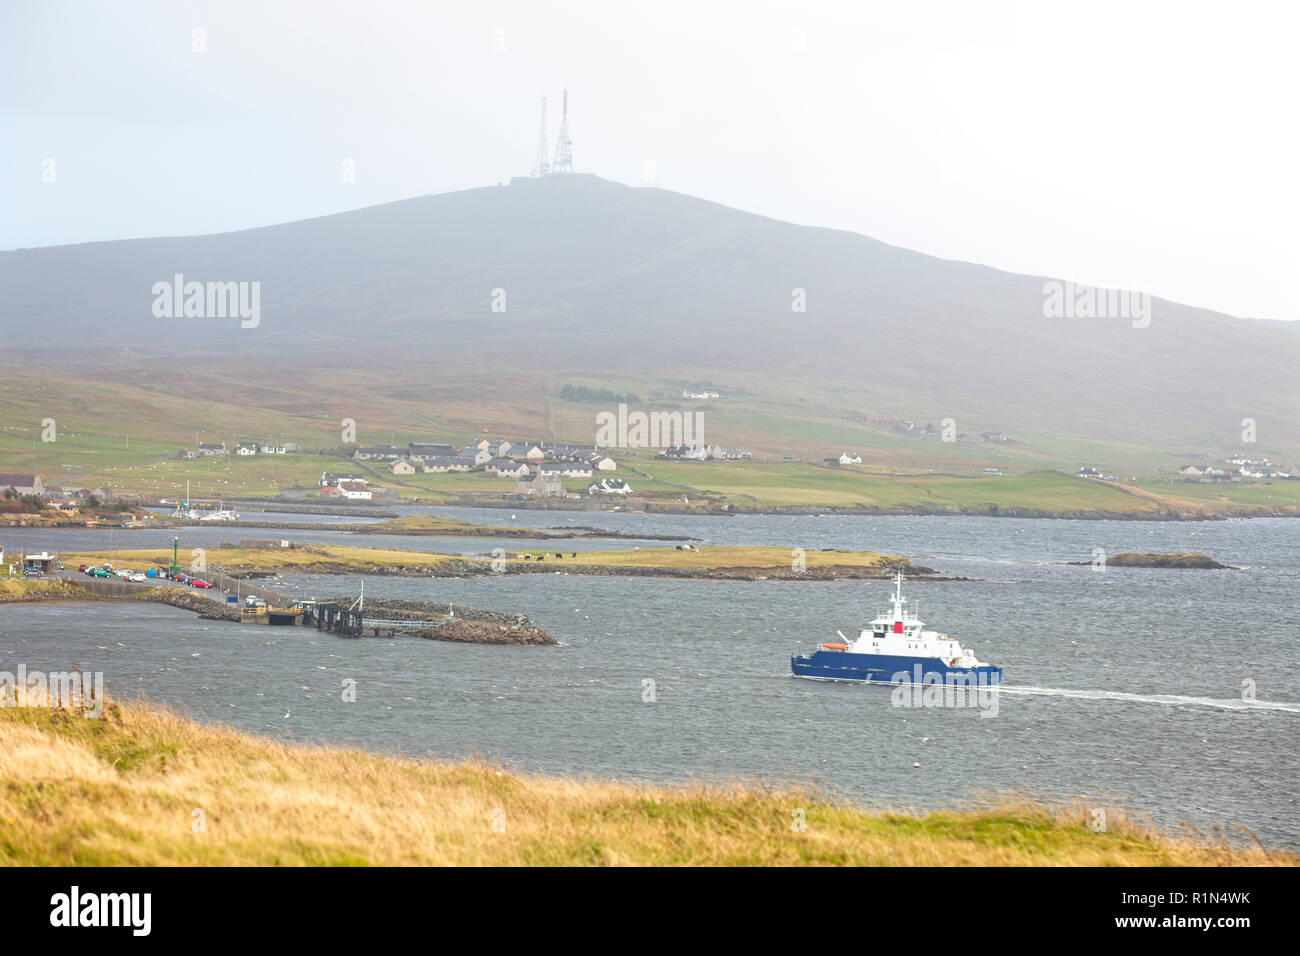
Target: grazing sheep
(541,557)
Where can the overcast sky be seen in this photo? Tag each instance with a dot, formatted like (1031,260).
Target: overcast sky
(1128,144)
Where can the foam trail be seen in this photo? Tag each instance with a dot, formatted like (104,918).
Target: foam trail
(1172,700)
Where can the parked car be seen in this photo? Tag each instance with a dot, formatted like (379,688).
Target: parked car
(123,573)
(201,584)
(32,572)
(98,573)
(83,567)
(138,577)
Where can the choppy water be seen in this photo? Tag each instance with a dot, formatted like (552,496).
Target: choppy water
(1124,686)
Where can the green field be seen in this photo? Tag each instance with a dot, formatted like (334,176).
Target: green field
(119,424)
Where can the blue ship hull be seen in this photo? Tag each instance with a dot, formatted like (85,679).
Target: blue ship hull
(889,669)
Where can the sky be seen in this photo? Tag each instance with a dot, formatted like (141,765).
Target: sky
(1152,146)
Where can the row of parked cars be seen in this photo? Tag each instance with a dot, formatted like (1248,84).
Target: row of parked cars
(184,578)
(139,577)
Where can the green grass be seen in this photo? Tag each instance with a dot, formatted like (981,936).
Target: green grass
(161,410)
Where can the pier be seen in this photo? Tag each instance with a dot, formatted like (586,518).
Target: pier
(352,622)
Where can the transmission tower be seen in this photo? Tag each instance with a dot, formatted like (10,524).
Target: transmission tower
(563,146)
(542,166)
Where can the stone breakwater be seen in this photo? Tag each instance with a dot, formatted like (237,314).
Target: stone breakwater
(58,589)
(467,625)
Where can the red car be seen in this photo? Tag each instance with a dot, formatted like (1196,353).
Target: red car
(200,584)
(82,567)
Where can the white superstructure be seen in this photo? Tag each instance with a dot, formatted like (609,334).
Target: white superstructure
(900,633)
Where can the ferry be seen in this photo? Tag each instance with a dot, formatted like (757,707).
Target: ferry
(895,648)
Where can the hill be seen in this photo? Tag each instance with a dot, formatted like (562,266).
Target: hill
(385,315)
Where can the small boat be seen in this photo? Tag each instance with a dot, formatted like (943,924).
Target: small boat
(895,648)
(221,515)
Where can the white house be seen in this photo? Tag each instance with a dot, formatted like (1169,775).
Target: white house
(566,469)
(610,486)
(332,479)
(384,452)
(356,490)
(275,449)
(246,448)
(850,458)
(437,466)
(506,468)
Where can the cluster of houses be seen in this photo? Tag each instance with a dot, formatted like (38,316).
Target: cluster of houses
(1246,469)
(504,459)
(1209,473)
(538,468)
(242,448)
(704,453)
(903,425)
(66,499)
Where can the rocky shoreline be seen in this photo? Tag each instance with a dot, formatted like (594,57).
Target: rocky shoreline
(915,511)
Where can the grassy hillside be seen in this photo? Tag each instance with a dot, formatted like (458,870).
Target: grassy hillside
(118,425)
(145,787)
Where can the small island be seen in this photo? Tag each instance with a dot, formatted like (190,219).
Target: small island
(1133,559)
(684,561)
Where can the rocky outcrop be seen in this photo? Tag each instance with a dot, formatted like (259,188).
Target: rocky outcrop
(1189,560)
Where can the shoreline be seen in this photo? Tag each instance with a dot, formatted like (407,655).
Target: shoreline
(468,625)
(905,511)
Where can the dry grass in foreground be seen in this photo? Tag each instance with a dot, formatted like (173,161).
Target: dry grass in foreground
(128,789)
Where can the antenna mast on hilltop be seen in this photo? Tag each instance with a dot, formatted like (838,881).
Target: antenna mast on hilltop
(563,146)
(542,167)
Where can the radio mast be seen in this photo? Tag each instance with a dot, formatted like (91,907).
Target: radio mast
(542,167)
(564,146)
